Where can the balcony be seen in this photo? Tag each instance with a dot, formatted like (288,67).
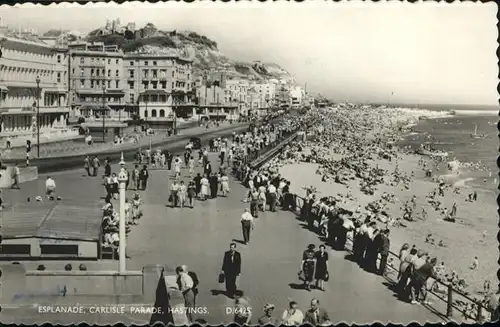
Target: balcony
(94,65)
(99,77)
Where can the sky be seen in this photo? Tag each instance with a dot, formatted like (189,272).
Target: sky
(423,53)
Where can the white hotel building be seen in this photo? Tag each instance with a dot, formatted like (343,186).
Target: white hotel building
(22,61)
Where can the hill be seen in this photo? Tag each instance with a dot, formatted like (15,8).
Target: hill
(204,51)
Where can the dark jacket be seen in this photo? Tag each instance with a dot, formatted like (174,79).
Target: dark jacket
(321,318)
(231,267)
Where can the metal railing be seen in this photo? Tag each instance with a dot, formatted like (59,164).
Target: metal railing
(449,299)
(451,293)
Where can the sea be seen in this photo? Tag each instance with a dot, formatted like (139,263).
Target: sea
(452,134)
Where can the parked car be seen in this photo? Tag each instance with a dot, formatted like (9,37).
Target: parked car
(196,143)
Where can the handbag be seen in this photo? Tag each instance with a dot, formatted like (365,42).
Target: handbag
(170,198)
(327,277)
(221,278)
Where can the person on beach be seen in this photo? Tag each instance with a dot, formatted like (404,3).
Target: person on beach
(321,273)
(307,266)
(253,196)
(247,224)
(419,281)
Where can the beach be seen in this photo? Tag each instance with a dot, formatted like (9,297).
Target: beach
(456,244)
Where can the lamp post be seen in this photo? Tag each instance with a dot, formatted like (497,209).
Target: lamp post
(122,180)
(38,116)
(103,113)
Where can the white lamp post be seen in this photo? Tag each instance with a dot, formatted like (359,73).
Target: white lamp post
(122,179)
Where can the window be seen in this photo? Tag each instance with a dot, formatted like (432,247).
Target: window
(82,60)
(81,72)
(16,249)
(131,63)
(163,85)
(82,83)
(117,61)
(145,63)
(162,113)
(109,72)
(58,77)
(154,63)
(131,73)
(58,59)
(117,73)
(131,85)
(153,113)
(146,113)
(73,71)
(132,97)
(59,249)
(117,84)
(155,85)
(155,73)
(92,72)
(163,99)
(173,85)
(91,84)
(109,84)
(109,61)
(145,73)
(173,73)
(97,72)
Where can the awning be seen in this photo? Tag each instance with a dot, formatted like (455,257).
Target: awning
(158,91)
(4,88)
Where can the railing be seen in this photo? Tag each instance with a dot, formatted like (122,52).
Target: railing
(259,157)
(451,293)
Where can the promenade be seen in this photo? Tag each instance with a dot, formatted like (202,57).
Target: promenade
(198,238)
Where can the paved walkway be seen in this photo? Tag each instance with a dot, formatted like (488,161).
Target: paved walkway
(198,238)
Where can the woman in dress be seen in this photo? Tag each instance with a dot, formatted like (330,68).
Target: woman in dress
(191,193)
(321,273)
(204,188)
(191,165)
(403,253)
(224,180)
(182,194)
(307,266)
(114,188)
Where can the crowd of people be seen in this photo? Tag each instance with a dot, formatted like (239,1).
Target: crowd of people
(333,218)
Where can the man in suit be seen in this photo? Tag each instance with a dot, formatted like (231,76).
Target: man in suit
(316,315)
(208,168)
(231,268)
(384,247)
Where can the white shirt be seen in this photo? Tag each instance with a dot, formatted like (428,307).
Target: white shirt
(50,184)
(247,216)
(271,188)
(294,319)
(186,282)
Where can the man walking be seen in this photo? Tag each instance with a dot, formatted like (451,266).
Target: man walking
(273,197)
(231,268)
(95,166)
(86,165)
(246,225)
(143,177)
(384,248)
(15,177)
(107,168)
(135,178)
(185,283)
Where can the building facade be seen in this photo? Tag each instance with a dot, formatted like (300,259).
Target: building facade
(297,96)
(237,92)
(33,84)
(97,81)
(158,85)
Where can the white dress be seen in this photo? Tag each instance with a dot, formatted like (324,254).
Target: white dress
(204,187)
(225,184)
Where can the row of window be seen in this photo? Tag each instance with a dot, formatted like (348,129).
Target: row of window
(154,73)
(29,56)
(22,74)
(97,60)
(155,63)
(97,84)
